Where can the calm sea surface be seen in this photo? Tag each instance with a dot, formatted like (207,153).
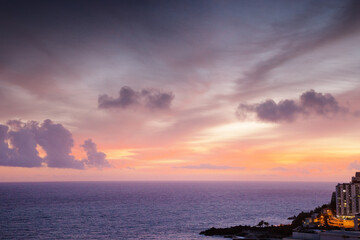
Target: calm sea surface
(148,210)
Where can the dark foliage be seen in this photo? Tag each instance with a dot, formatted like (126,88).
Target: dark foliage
(280,231)
(270,231)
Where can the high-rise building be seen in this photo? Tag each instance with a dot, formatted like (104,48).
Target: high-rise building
(348,197)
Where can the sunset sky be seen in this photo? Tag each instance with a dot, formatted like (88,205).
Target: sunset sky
(179,90)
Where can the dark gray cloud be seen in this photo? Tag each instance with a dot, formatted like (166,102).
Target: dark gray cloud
(94,158)
(209,166)
(271,111)
(310,102)
(23,147)
(148,98)
(4,147)
(323,104)
(19,141)
(23,152)
(157,99)
(127,96)
(57,141)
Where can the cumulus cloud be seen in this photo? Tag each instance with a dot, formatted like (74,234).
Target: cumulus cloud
(4,148)
(23,148)
(271,111)
(310,102)
(209,166)
(94,158)
(148,98)
(23,152)
(19,141)
(127,97)
(323,104)
(57,141)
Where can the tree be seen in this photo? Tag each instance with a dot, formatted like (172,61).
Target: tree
(261,223)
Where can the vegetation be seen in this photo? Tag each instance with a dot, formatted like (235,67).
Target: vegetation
(263,230)
(262,223)
(266,232)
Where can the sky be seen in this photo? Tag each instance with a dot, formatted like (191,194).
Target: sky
(179,90)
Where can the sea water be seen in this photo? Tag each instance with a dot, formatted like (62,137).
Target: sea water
(148,210)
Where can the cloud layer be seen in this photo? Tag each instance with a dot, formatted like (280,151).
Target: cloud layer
(147,98)
(310,103)
(301,40)
(210,167)
(19,143)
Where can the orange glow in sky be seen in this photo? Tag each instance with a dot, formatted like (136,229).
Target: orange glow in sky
(236,94)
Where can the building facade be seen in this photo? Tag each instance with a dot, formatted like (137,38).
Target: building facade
(348,197)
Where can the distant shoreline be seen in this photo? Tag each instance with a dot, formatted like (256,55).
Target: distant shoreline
(265,232)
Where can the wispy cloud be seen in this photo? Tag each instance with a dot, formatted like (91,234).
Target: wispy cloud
(303,39)
(280,169)
(211,167)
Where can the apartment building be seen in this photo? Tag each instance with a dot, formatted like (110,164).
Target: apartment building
(348,197)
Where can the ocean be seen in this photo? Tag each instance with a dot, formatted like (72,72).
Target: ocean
(148,210)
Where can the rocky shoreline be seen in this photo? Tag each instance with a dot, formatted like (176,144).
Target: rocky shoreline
(251,232)
(263,232)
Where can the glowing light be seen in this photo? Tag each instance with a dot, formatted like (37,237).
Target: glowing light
(169,161)
(119,153)
(41,151)
(234,131)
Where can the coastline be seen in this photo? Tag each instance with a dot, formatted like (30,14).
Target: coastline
(268,232)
